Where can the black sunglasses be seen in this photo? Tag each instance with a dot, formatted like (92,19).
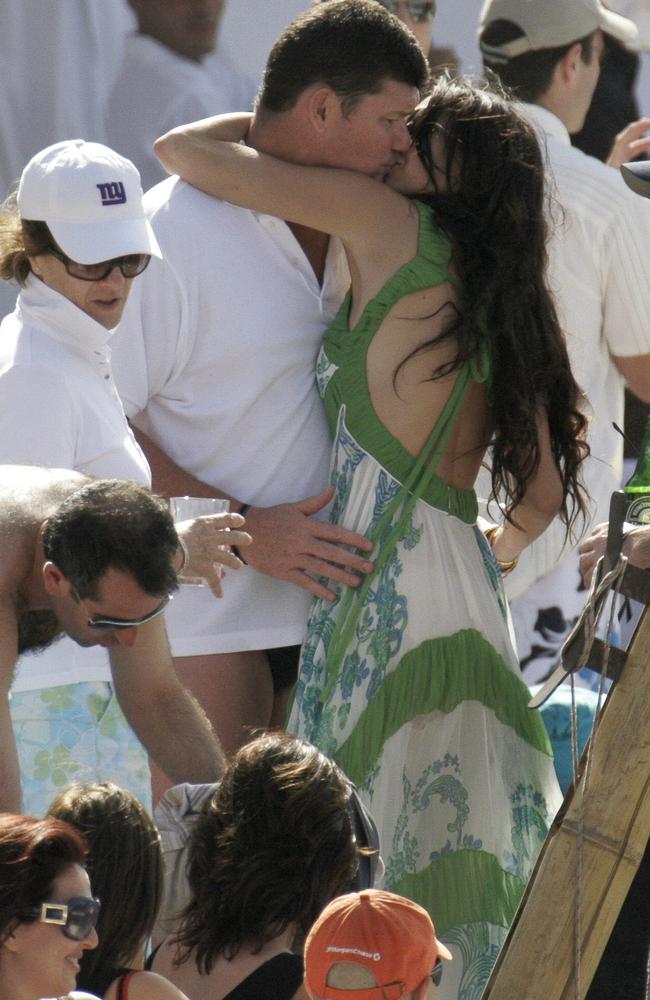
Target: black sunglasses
(104,624)
(420,10)
(76,918)
(436,975)
(107,624)
(130,265)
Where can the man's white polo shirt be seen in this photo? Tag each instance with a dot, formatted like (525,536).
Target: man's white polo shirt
(216,355)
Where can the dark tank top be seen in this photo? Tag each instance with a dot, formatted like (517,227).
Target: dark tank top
(277,979)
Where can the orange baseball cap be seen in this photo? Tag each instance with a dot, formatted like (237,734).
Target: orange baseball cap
(392,937)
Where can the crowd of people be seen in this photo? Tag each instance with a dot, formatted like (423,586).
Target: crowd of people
(385,290)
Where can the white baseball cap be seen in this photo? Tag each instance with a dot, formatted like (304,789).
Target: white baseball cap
(546,24)
(91,199)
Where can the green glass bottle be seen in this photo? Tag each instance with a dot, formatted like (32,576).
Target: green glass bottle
(637,488)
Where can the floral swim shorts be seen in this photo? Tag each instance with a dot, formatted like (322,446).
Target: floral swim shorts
(73,733)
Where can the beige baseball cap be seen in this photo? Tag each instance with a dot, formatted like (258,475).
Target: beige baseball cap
(546,24)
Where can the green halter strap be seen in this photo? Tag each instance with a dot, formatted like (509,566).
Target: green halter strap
(424,468)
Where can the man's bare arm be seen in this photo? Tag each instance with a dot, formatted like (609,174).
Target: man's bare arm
(630,142)
(636,372)
(165,717)
(10,798)
(288,544)
(636,546)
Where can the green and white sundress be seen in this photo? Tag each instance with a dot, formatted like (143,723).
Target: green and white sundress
(411,683)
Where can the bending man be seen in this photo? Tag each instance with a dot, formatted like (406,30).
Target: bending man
(98,560)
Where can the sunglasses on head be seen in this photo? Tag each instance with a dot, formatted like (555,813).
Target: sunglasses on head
(420,10)
(76,918)
(102,623)
(130,265)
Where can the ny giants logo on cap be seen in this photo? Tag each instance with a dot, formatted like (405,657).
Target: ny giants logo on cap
(112,193)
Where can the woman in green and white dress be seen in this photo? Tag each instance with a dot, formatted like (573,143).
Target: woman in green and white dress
(446,344)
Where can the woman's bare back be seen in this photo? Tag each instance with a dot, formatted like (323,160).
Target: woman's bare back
(404,356)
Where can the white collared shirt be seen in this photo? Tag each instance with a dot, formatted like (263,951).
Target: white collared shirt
(217,353)
(58,402)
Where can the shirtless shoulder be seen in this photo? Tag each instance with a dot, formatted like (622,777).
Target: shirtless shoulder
(28,495)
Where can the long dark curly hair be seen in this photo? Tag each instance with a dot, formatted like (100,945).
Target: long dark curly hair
(491,205)
(273,846)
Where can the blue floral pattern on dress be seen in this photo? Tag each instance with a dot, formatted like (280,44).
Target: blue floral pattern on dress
(432,784)
(478,945)
(530,822)
(325,369)
(383,618)
(347,456)
(493,570)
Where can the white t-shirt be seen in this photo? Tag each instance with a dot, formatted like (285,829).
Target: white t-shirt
(59,407)
(157,89)
(217,353)
(598,272)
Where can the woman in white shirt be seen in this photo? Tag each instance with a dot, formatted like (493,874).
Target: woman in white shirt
(74,238)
